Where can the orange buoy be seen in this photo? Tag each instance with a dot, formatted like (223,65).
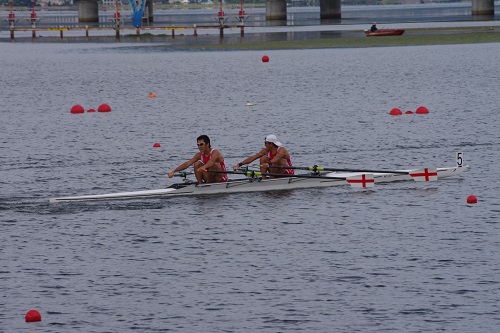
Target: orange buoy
(76,109)
(422,110)
(156,145)
(395,112)
(471,199)
(409,112)
(265,59)
(152,95)
(32,316)
(104,108)
(91,110)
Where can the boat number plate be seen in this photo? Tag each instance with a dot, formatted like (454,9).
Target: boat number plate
(460,159)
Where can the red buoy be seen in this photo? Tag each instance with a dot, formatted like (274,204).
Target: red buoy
(265,59)
(156,145)
(91,110)
(471,199)
(409,112)
(395,112)
(104,108)
(32,316)
(422,110)
(77,109)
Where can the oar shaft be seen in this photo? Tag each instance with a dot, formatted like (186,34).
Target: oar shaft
(316,168)
(183,173)
(260,174)
(368,171)
(238,172)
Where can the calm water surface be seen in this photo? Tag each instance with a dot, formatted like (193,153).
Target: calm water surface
(402,257)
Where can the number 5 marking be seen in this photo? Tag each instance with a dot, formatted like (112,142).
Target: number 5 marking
(460,159)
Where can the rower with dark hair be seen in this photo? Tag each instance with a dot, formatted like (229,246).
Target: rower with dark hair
(207,159)
(274,154)
(374,27)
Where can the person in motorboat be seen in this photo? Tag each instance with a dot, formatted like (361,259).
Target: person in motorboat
(207,159)
(274,154)
(374,27)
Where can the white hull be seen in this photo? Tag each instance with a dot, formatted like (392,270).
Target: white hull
(254,185)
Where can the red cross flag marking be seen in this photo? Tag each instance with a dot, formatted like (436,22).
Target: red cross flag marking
(425,175)
(364,180)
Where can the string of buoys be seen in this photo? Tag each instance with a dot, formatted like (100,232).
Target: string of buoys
(419,110)
(78,109)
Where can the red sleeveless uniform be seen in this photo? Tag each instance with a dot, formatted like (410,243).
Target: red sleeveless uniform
(206,158)
(288,161)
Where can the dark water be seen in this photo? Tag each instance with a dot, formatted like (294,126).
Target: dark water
(403,257)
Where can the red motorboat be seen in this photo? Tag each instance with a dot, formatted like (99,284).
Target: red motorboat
(385,32)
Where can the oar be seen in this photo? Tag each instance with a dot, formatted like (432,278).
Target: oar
(364,180)
(183,173)
(420,175)
(316,168)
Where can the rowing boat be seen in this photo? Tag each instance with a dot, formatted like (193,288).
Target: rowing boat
(384,32)
(257,184)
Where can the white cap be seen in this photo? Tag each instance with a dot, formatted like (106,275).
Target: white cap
(272,138)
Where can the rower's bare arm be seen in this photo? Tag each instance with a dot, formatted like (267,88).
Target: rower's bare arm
(280,155)
(250,159)
(184,165)
(216,157)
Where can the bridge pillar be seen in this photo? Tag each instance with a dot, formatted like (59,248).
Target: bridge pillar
(149,5)
(330,9)
(483,7)
(276,10)
(88,11)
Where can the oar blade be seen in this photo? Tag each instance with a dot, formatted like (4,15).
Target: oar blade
(364,180)
(424,175)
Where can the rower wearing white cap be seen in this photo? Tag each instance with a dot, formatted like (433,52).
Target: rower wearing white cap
(274,154)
